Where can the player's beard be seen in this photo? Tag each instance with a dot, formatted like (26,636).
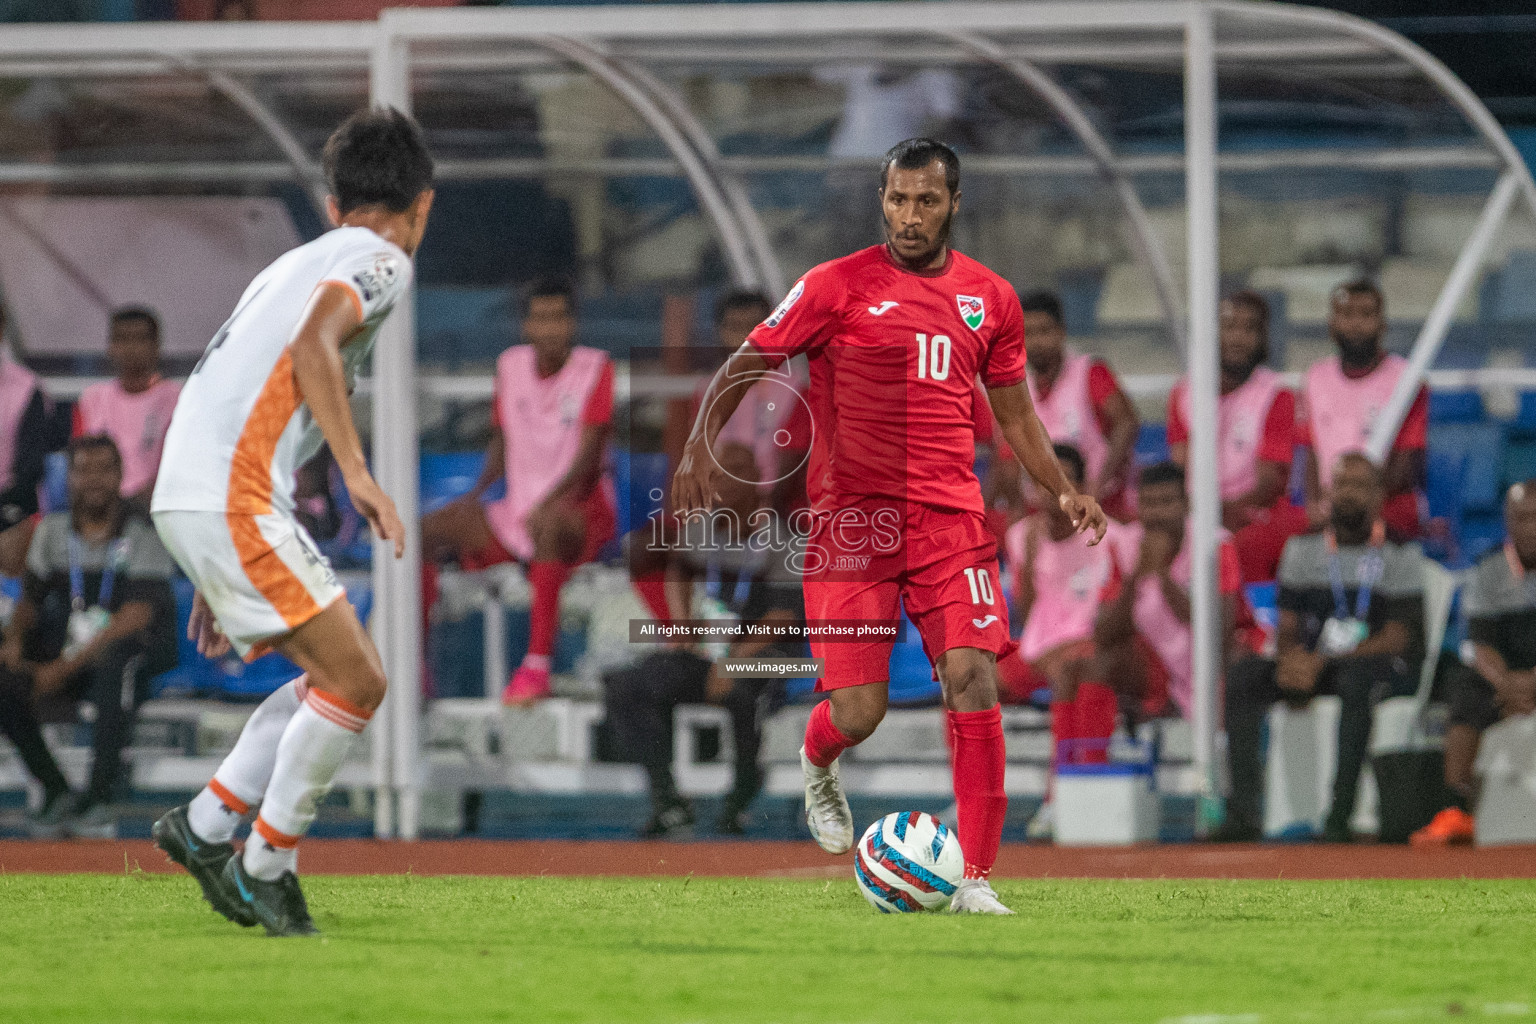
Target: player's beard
(940,241)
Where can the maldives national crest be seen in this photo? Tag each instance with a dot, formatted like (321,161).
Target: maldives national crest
(972,310)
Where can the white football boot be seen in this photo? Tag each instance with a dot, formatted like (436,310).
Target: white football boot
(826,808)
(975,896)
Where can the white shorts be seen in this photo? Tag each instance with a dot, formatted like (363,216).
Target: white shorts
(262,576)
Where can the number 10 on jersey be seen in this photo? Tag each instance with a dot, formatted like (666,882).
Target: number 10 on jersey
(933,357)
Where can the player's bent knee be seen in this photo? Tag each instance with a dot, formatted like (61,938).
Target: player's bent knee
(858,711)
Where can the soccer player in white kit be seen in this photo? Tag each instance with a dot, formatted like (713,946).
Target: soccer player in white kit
(274,384)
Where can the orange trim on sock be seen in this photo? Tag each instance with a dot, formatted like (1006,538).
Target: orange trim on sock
(340,703)
(227,798)
(275,839)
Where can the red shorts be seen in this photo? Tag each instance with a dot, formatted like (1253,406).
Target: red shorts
(943,570)
(595,510)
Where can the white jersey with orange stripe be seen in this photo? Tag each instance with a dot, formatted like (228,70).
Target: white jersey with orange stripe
(240,429)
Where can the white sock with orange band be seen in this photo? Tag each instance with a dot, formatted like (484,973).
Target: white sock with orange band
(238,785)
(311,750)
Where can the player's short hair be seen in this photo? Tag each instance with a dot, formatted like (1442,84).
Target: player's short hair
(1072,461)
(1043,301)
(142,314)
(1258,305)
(92,443)
(1359,286)
(741,298)
(377,157)
(915,154)
(550,288)
(1162,473)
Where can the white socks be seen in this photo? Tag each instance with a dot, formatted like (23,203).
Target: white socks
(312,748)
(238,785)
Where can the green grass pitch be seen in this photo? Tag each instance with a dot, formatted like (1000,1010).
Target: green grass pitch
(141,947)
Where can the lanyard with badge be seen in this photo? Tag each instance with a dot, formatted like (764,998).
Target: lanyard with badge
(87,621)
(1343,632)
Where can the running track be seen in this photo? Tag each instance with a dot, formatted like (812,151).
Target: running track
(801,860)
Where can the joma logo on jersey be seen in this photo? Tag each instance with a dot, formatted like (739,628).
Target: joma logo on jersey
(972,310)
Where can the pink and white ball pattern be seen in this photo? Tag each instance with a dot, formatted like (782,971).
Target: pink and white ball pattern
(908,862)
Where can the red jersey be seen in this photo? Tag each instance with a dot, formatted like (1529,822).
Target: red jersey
(894,358)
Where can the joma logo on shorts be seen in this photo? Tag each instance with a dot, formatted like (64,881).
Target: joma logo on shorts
(856,563)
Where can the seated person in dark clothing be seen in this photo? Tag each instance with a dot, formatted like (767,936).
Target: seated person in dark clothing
(758,584)
(1351,624)
(95,622)
(1500,605)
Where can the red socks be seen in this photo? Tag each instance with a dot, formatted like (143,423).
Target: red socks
(823,740)
(1081,728)
(1097,708)
(979,762)
(546,579)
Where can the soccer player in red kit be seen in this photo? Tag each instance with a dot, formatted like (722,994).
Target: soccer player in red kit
(896,336)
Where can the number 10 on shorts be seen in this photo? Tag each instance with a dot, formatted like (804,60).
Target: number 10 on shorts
(981,585)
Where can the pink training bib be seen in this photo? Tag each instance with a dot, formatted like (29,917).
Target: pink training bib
(1069,580)
(136,423)
(1068,414)
(541,420)
(1240,418)
(1341,411)
(759,421)
(1171,639)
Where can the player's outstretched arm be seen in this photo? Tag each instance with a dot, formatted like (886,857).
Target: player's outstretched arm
(1026,435)
(693,486)
(330,321)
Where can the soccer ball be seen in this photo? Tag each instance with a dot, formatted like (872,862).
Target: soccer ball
(908,862)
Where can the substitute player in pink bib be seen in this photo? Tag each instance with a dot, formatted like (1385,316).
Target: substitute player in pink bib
(896,336)
(1058,582)
(1341,398)
(1255,429)
(1144,636)
(550,419)
(135,409)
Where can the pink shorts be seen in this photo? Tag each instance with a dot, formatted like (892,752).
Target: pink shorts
(943,569)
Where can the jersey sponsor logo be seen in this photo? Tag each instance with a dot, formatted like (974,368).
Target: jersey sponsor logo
(377,279)
(972,310)
(884,308)
(984,623)
(785,306)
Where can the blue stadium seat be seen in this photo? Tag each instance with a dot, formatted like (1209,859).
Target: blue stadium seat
(446,476)
(1478,535)
(1443,473)
(1151,444)
(1525,420)
(636,477)
(1455,407)
(912,679)
(193,673)
(1481,446)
